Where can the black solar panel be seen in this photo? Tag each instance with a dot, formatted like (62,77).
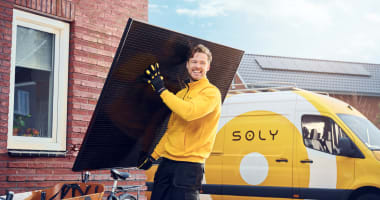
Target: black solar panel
(129,119)
(309,65)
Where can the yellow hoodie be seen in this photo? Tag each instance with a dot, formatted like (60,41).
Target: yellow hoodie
(193,123)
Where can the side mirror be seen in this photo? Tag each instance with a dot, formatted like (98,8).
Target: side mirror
(346,148)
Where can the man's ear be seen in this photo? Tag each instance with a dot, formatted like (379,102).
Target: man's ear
(208,67)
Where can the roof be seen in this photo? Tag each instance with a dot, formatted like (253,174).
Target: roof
(336,77)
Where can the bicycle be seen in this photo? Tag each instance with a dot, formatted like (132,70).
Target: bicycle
(116,175)
(8,196)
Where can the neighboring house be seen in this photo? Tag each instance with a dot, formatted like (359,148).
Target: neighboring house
(355,83)
(54,58)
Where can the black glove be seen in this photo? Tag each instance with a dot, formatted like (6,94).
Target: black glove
(154,78)
(147,163)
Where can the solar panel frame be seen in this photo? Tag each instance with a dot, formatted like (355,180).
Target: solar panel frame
(129,118)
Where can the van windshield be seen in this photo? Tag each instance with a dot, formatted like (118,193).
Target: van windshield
(364,129)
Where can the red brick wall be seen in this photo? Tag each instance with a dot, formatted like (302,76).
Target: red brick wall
(94,36)
(237,81)
(6,13)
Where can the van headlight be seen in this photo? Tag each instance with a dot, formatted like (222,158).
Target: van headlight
(377,154)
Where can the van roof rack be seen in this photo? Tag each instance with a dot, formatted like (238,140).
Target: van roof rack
(261,87)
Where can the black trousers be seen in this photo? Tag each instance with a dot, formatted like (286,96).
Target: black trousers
(177,180)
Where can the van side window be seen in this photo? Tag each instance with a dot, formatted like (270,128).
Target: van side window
(337,134)
(321,133)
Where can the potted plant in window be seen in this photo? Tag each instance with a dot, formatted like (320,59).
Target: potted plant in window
(19,124)
(31,132)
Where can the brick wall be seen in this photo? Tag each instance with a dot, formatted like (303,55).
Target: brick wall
(237,83)
(94,36)
(6,13)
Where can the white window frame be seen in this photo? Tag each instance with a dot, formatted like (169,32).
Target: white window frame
(61,31)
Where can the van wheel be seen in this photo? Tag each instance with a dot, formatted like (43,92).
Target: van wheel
(369,196)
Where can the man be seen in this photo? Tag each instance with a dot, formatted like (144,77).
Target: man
(191,131)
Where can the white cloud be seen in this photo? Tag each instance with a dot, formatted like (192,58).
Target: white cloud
(357,45)
(295,11)
(333,29)
(157,8)
(211,8)
(373,17)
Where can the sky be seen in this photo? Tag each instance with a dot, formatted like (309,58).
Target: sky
(343,30)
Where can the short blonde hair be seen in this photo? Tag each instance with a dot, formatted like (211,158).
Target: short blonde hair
(200,48)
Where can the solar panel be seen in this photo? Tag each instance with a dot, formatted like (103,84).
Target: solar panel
(129,119)
(319,66)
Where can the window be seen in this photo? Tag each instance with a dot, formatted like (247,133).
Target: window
(21,103)
(367,132)
(38,95)
(321,133)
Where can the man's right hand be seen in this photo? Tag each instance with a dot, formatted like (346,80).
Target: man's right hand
(154,78)
(147,164)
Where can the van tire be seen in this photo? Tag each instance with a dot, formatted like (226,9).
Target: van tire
(369,196)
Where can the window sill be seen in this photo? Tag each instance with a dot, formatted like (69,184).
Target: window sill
(30,153)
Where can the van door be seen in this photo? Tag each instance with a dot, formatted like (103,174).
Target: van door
(323,172)
(257,158)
